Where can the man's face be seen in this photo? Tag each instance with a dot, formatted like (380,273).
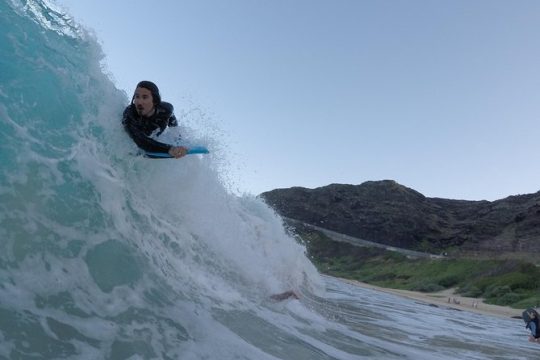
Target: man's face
(143,101)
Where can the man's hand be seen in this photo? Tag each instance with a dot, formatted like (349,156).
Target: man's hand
(178,151)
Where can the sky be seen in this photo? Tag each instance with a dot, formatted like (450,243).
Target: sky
(440,96)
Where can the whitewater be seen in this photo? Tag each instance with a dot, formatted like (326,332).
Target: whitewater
(108,255)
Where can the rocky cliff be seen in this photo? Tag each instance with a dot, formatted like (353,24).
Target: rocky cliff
(392,214)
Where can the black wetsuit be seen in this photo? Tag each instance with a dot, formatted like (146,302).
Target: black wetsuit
(140,127)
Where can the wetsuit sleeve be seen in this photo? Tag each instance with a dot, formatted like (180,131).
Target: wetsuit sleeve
(144,142)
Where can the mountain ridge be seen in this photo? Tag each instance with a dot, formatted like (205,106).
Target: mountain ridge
(389,213)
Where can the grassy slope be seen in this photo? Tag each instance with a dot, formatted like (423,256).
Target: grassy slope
(512,283)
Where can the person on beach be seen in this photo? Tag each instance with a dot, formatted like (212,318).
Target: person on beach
(530,316)
(147,117)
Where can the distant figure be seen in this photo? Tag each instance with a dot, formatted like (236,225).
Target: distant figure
(285,295)
(530,317)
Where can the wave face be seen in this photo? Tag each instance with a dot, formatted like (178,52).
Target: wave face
(102,252)
(106,255)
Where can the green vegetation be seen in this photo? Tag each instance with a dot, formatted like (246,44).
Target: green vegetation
(512,283)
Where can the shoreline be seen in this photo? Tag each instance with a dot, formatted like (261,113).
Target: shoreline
(446,299)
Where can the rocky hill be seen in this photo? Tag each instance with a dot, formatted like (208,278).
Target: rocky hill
(392,214)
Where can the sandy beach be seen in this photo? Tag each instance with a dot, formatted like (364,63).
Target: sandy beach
(447,298)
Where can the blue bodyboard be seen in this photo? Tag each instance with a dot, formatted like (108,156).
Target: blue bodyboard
(191,150)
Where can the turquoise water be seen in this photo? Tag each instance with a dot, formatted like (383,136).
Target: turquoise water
(105,255)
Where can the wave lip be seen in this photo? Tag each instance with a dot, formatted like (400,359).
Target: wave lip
(49,16)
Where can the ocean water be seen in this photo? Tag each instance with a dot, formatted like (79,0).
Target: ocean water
(107,255)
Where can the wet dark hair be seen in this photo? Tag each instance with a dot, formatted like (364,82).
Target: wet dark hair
(156,97)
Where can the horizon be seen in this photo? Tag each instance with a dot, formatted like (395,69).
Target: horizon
(408,187)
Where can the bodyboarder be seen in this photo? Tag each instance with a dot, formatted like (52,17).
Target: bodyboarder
(147,117)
